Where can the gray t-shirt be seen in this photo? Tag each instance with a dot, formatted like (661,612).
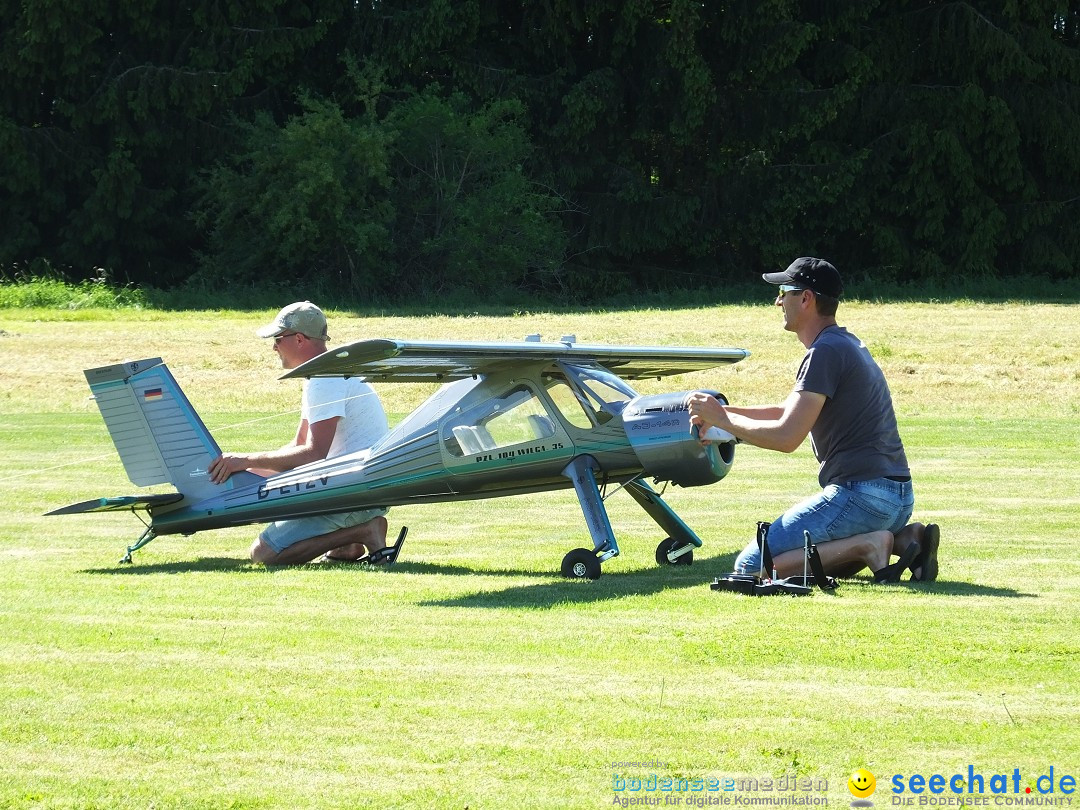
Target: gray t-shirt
(855,437)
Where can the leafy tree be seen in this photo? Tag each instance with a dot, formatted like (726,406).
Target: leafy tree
(435,197)
(303,201)
(615,95)
(108,114)
(964,125)
(923,139)
(467,215)
(688,142)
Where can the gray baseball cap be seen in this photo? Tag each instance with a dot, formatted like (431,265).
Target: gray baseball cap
(303,317)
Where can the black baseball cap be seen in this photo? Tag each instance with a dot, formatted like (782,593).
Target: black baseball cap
(811,274)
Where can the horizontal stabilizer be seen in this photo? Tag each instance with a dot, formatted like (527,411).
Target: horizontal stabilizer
(122,503)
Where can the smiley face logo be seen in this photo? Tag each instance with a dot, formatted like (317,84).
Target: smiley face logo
(862,783)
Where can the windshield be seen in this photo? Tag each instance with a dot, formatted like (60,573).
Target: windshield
(601,393)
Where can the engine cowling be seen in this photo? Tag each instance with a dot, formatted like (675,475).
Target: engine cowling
(658,427)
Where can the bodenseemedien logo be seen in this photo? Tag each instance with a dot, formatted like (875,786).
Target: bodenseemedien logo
(862,785)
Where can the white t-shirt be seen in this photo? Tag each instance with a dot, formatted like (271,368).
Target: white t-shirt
(363,420)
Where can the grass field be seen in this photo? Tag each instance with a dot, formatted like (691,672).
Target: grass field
(471,675)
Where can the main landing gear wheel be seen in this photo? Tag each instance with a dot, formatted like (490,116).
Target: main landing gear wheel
(581,563)
(665,547)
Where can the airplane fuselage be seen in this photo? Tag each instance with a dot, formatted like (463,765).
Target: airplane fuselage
(443,459)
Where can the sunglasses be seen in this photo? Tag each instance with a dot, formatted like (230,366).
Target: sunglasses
(786,288)
(278,339)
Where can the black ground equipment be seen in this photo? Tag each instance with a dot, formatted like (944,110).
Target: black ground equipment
(763,585)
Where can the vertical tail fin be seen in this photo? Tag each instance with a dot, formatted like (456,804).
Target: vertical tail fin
(158,434)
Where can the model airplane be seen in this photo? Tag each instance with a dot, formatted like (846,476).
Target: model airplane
(509,419)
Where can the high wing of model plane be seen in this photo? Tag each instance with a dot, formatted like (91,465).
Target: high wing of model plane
(510,418)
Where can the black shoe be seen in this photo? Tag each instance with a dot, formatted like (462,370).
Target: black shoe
(891,573)
(926,562)
(389,555)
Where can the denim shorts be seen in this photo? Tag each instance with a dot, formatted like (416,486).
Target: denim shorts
(838,511)
(284,533)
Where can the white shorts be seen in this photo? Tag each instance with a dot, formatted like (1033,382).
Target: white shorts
(284,533)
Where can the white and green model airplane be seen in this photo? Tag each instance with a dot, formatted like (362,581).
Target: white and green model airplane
(510,418)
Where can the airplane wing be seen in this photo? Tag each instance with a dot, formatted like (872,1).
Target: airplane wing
(429,361)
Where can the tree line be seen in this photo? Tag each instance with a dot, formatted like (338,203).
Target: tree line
(579,147)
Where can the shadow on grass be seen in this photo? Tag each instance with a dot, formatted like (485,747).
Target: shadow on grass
(612,585)
(573,592)
(551,592)
(648,582)
(455,570)
(943,587)
(225,564)
(243,565)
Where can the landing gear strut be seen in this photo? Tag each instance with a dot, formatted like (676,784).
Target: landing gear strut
(581,563)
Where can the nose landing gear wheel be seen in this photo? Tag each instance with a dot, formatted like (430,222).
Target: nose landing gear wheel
(665,547)
(581,563)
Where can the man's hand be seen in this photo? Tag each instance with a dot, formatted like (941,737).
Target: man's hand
(225,465)
(706,411)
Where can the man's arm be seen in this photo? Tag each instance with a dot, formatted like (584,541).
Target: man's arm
(757,411)
(772,427)
(312,443)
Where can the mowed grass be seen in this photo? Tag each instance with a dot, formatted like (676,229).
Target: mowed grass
(471,674)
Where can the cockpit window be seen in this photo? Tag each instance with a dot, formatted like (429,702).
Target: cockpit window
(573,406)
(512,418)
(603,394)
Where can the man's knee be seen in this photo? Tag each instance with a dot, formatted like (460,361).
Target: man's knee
(378,525)
(262,553)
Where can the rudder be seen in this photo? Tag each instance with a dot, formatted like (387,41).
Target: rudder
(158,434)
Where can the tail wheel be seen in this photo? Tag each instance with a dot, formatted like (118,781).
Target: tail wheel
(581,563)
(667,546)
